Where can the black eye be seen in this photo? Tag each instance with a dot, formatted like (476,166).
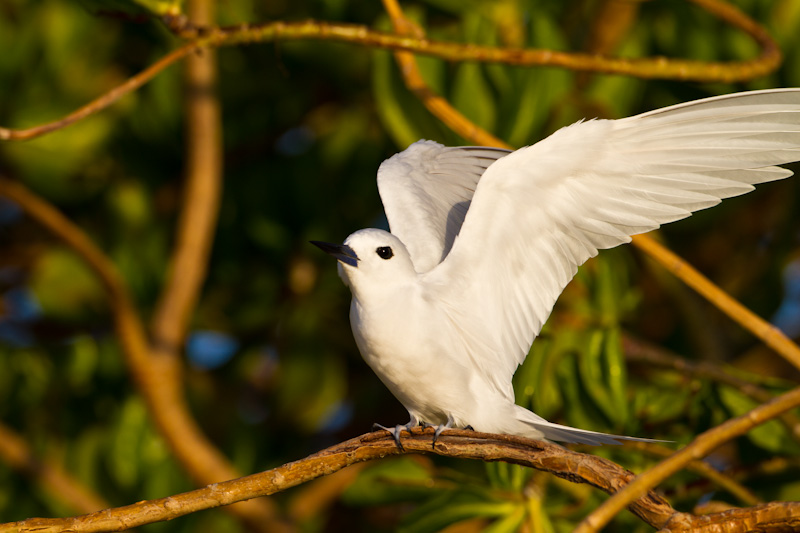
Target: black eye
(384,252)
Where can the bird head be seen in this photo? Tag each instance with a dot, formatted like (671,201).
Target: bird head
(371,260)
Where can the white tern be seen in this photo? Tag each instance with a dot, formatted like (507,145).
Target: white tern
(446,307)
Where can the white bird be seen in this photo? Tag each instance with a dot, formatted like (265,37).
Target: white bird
(446,307)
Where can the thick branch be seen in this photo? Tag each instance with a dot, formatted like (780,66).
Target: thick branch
(203,130)
(187,271)
(573,466)
(775,517)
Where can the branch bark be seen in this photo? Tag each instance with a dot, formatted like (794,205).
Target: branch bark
(567,464)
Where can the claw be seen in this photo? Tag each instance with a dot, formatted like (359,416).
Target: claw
(470,428)
(395,431)
(440,428)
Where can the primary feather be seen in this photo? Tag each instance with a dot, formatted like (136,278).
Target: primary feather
(487,239)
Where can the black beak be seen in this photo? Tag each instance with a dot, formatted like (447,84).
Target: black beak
(342,252)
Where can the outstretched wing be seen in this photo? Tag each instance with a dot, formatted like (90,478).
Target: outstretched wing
(426,191)
(540,212)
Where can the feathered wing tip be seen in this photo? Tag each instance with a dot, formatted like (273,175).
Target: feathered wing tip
(541,428)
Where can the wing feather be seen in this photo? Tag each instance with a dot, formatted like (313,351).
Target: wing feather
(426,191)
(540,212)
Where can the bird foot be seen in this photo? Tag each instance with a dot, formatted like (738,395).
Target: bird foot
(439,429)
(395,431)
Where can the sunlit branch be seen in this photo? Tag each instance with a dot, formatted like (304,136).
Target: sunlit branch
(130,85)
(769,334)
(654,67)
(573,466)
(704,469)
(697,449)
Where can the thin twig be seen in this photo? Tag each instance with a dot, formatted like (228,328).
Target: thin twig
(697,449)
(650,68)
(723,481)
(769,334)
(639,351)
(130,85)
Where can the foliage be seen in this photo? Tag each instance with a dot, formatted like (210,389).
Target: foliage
(272,372)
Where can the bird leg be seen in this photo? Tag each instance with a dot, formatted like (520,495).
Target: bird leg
(440,428)
(395,431)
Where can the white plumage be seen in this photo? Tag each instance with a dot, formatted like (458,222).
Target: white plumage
(483,241)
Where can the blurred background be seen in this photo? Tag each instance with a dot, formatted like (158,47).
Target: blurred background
(271,371)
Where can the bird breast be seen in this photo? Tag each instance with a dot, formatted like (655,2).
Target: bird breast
(408,344)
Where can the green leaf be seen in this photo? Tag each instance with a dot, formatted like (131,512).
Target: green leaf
(509,523)
(771,436)
(125,460)
(396,480)
(473,97)
(450,508)
(65,287)
(616,376)
(535,91)
(471,93)
(590,364)
(83,361)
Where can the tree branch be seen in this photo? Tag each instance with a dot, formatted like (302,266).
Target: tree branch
(701,446)
(650,68)
(639,351)
(130,85)
(702,468)
(567,464)
(769,334)
(203,130)
(656,67)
